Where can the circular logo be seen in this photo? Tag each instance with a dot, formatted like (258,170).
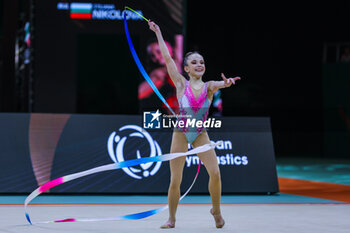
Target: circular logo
(116,144)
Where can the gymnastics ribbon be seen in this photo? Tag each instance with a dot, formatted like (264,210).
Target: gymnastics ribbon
(114,166)
(129,163)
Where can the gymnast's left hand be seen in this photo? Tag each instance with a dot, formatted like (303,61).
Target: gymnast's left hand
(229,81)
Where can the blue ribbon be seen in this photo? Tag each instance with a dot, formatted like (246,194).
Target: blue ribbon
(142,70)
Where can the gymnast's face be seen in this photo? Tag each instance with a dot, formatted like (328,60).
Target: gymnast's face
(195,66)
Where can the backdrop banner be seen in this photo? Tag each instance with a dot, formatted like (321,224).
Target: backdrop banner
(37,148)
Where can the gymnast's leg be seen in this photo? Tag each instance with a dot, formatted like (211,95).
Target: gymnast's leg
(211,164)
(178,144)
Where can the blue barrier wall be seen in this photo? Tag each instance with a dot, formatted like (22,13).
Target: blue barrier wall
(37,148)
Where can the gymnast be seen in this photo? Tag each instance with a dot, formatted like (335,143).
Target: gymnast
(194,97)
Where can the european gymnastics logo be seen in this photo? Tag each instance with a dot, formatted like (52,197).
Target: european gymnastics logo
(116,146)
(224,159)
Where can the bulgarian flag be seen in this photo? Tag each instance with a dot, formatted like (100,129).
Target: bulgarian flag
(80,10)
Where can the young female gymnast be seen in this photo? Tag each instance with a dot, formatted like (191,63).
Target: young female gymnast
(194,97)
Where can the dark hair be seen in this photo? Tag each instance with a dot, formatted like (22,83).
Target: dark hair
(189,54)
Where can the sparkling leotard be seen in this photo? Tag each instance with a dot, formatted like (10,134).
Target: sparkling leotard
(197,108)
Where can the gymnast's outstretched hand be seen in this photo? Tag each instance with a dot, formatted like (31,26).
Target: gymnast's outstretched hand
(229,81)
(214,86)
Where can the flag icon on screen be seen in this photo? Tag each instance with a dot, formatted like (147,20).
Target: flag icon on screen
(80,10)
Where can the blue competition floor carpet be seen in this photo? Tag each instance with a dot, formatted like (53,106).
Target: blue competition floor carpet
(322,170)
(139,199)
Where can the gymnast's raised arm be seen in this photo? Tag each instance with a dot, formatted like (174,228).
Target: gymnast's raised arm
(173,72)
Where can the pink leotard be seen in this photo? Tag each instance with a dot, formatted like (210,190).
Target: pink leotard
(197,108)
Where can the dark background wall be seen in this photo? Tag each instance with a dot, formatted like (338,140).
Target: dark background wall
(277,49)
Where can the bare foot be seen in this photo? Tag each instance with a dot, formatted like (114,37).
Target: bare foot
(168,224)
(219,221)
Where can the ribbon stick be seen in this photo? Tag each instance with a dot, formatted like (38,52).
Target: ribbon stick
(114,166)
(128,8)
